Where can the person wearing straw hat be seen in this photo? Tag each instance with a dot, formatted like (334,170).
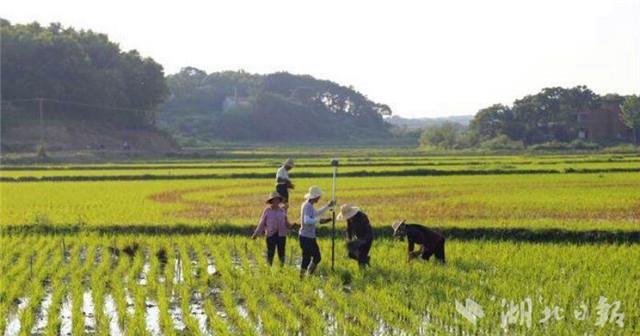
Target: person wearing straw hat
(359,233)
(283,182)
(309,218)
(431,242)
(274,224)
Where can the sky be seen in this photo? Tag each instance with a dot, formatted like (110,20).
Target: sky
(422,58)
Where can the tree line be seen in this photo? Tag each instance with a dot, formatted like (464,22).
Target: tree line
(550,116)
(68,65)
(101,82)
(63,64)
(236,105)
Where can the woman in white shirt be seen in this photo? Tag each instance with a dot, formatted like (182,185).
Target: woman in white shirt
(309,217)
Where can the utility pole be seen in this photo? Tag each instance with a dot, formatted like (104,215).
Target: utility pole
(41,123)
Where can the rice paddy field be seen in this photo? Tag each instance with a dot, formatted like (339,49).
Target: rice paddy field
(536,245)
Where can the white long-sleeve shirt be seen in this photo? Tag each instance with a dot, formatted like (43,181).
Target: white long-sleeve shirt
(282,174)
(309,216)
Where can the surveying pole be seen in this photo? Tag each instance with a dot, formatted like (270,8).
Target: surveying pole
(334,164)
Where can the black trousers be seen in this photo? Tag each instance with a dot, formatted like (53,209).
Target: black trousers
(359,250)
(438,250)
(283,190)
(274,242)
(310,251)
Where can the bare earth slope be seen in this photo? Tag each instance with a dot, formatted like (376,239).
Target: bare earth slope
(82,135)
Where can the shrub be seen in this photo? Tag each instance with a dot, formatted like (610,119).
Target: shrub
(550,146)
(446,136)
(623,148)
(581,144)
(562,146)
(502,142)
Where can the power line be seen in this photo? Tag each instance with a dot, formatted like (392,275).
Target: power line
(76,103)
(19,100)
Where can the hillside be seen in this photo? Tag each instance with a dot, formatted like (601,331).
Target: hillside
(85,90)
(278,107)
(71,135)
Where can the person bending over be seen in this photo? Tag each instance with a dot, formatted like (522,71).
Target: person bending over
(431,242)
(359,233)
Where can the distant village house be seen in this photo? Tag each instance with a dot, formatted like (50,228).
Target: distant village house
(233,102)
(603,124)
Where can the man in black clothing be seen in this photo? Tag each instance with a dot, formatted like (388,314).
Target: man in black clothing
(359,233)
(431,241)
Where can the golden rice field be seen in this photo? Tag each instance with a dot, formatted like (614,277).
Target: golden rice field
(547,253)
(563,201)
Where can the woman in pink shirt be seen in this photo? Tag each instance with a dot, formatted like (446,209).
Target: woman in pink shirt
(275,225)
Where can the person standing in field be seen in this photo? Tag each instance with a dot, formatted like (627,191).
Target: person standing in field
(431,242)
(274,224)
(309,218)
(359,233)
(283,182)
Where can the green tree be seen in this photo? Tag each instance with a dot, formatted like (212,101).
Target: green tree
(82,66)
(630,111)
(493,121)
(549,115)
(284,107)
(445,136)
(552,114)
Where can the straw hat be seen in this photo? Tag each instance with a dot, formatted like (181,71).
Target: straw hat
(288,162)
(397,225)
(273,195)
(314,192)
(347,211)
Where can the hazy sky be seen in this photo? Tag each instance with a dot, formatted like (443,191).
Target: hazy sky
(423,58)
